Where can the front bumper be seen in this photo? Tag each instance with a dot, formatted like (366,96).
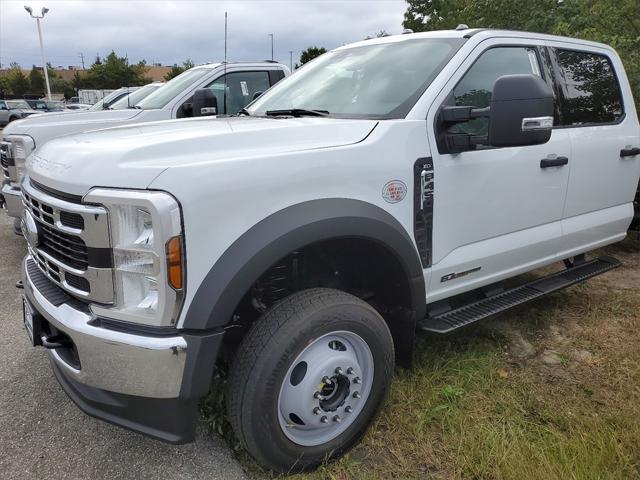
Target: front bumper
(144,382)
(13,199)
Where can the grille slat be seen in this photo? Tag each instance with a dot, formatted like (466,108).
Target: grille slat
(72,246)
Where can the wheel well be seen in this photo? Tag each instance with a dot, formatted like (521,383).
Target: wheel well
(362,267)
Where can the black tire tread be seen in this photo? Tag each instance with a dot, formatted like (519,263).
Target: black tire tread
(257,339)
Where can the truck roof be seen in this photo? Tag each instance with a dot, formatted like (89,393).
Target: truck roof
(484,33)
(249,64)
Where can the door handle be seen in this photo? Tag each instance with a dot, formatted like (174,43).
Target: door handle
(630,152)
(553,162)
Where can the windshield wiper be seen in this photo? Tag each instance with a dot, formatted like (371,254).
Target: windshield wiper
(297,112)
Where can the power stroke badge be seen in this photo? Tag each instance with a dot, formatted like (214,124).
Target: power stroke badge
(394,191)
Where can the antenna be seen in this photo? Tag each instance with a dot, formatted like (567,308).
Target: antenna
(224,95)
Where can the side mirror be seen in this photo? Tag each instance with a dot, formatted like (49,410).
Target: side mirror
(256,95)
(521,111)
(204,103)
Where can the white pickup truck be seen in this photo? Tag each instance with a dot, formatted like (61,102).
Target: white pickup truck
(387,187)
(173,100)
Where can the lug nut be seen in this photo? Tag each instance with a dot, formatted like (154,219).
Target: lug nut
(317,411)
(317,395)
(356,395)
(327,380)
(324,420)
(350,371)
(356,380)
(348,409)
(338,371)
(337,419)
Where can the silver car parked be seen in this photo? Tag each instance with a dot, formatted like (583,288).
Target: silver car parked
(11,110)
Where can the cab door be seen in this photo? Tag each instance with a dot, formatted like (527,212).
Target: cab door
(604,132)
(497,211)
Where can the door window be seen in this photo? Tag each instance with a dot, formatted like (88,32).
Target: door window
(476,86)
(240,88)
(591,94)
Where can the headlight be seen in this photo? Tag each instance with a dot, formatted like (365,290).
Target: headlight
(21,146)
(145,229)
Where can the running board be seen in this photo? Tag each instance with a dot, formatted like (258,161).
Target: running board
(481,309)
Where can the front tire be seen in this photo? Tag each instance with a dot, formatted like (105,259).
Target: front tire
(308,379)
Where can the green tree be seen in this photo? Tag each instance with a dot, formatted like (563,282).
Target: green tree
(77,82)
(36,81)
(17,80)
(4,86)
(311,53)
(615,23)
(177,70)
(115,72)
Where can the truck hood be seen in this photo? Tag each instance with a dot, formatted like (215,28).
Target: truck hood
(44,127)
(133,156)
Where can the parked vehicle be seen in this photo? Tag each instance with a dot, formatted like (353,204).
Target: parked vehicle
(174,99)
(43,106)
(73,100)
(11,110)
(92,96)
(134,97)
(77,106)
(105,102)
(388,186)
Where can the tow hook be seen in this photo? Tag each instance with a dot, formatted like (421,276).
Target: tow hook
(55,341)
(19,285)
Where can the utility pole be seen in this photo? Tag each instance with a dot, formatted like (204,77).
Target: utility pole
(291,60)
(44,61)
(271,35)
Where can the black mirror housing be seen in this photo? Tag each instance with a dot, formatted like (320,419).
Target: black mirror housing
(521,111)
(204,103)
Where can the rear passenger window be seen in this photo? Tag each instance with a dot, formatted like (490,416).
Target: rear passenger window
(590,89)
(476,87)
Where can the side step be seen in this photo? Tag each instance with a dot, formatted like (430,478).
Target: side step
(481,309)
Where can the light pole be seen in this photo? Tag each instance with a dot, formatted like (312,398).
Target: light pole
(271,35)
(44,62)
(291,60)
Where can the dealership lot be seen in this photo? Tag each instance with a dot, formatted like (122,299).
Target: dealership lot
(46,436)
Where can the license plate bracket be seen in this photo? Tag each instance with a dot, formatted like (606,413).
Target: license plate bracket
(32,322)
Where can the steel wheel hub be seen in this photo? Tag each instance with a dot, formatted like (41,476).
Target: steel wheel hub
(326,388)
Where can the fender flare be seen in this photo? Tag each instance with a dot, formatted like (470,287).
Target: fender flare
(287,230)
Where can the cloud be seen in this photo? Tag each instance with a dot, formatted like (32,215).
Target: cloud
(168,32)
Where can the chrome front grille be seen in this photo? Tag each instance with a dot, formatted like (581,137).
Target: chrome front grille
(71,243)
(6,159)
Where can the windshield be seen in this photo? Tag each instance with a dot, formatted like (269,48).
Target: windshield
(370,81)
(18,104)
(55,105)
(129,101)
(177,85)
(109,99)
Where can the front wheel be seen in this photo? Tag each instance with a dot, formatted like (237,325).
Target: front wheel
(308,379)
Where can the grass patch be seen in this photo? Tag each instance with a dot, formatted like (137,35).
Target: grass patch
(471,409)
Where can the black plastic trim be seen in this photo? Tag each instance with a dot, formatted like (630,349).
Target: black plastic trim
(423,214)
(100,257)
(285,231)
(172,420)
(68,197)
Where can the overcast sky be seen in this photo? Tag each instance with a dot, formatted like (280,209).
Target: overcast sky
(168,32)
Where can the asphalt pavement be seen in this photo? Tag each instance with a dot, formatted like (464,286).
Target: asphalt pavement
(44,435)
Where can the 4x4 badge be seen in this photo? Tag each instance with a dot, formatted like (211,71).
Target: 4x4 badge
(394,191)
